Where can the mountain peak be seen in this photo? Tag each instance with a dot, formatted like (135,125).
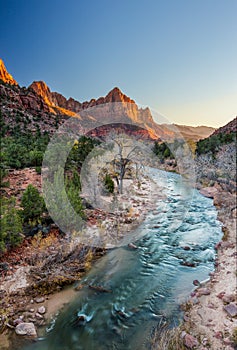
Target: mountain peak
(5,76)
(116,95)
(42,89)
(116,90)
(39,84)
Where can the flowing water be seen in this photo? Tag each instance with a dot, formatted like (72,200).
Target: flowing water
(149,283)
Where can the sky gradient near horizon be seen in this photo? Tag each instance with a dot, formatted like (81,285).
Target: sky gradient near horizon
(176,56)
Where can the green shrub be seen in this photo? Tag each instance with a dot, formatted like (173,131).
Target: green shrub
(234,337)
(162,150)
(3,174)
(10,225)
(38,169)
(23,149)
(213,143)
(82,147)
(32,203)
(108,183)
(73,187)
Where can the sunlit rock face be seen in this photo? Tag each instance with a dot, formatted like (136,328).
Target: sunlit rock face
(41,88)
(5,76)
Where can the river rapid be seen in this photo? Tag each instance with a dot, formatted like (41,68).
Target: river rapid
(175,245)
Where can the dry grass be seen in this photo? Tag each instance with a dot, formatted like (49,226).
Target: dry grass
(225,233)
(234,337)
(166,338)
(88,260)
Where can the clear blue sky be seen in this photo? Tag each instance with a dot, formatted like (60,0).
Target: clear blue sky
(177,56)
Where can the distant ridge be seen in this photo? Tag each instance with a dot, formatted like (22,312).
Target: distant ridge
(46,110)
(55,99)
(228,128)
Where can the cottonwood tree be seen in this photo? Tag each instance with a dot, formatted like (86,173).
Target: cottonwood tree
(118,156)
(129,152)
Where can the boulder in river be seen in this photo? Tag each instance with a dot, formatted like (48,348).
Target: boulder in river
(26,329)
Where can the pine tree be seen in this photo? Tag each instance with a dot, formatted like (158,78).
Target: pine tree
(10,225)
(32,203)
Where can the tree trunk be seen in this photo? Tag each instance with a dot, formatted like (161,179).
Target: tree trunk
(121,176)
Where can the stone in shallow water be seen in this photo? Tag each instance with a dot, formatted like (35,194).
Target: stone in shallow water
(26,329)
(196,283)
(132,246)
(231,309)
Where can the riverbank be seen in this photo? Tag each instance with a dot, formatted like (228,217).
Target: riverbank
(211,312)
(31,288)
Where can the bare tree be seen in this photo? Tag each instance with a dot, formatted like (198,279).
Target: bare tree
(119,156)
(128,152)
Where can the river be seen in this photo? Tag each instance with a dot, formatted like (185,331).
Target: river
(148,283)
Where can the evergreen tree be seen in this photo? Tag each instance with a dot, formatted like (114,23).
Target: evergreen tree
(10,225)
(32,203)
(108,183)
